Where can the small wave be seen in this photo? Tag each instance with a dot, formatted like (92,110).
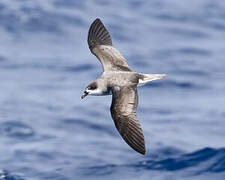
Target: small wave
(82,123)
(217,26)
(207,160)
(187,33)
(16,129)
(49,66)
(194,72)
(175,84)
(194,51)
(35,18)
(201,161)
(78,68)
(69,4)
(2,59)
(5,175)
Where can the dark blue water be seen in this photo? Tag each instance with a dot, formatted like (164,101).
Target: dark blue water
(48,132)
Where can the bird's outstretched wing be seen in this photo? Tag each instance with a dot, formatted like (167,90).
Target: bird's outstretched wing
(100,44)
(123,111)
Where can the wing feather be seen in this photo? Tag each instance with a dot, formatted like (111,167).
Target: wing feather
(98,35)
(123,111)
(101,46)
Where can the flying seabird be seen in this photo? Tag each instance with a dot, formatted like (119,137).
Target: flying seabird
(119,80)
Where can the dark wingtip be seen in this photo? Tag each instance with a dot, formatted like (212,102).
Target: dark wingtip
(143,151)
(134,137)
(140,149)
(98,35)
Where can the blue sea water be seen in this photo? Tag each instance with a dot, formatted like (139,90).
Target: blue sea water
(48,132)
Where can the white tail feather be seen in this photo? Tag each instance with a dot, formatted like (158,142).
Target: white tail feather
(150,77)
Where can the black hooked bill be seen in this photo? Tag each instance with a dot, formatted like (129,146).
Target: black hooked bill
(84,94)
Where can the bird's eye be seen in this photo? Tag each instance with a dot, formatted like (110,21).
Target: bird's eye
(92,87)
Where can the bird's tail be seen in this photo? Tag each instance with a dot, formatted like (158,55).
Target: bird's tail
(144,78)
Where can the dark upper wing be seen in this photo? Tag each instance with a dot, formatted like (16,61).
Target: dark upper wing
(100,44)
(123,111)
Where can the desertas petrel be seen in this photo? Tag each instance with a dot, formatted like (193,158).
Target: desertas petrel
(119,80)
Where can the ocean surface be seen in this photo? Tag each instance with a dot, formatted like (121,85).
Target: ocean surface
(48,132)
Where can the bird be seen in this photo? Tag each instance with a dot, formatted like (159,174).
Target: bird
(119,81)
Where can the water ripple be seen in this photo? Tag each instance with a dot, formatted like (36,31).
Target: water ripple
(16,129)
(87,124)
(213,160)
(5,175)
(209,156)
(176,84)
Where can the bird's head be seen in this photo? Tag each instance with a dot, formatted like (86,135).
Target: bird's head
(92,89)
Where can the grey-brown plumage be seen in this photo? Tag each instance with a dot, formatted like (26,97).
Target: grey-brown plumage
(123,111)
(120,81)
(98,35)
(100,44)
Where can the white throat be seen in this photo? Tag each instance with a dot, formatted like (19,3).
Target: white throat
(97,92)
